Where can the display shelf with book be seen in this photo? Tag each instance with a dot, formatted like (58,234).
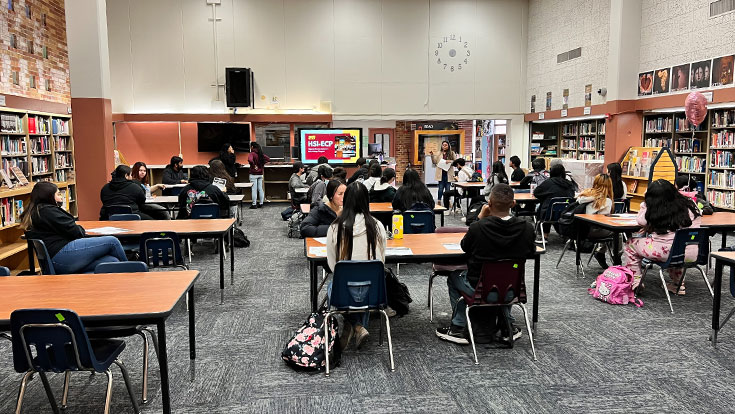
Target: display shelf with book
(568,144)
(721,159)
(544,141)
(643,164)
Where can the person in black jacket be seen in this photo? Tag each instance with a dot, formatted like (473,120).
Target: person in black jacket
(123,191)
(200,188)
(411,192)
(322,215)
(496,235)
(515,164)
(362,171)
(537,176)
(557,185)
(229,159)
(174,174)
(70,251)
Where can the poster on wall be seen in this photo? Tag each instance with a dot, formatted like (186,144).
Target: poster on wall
(700,74)
(533,103)
(661,81)
(645,83)
(340,146)
(548,101)
(565,99)
(486,146)
(680,78)
(722,68)
(588,95)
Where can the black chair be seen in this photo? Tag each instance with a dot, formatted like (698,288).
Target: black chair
(54,340)
(129,244)
(418,221)
(557,205)
(37,247)
(161,249)
(118,209)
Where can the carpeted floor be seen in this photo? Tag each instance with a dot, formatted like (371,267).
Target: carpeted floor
(592,357)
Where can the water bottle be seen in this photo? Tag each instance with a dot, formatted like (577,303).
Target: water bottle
(148,191)
(397,225)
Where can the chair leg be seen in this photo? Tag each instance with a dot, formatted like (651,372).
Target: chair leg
(398,269)
(188,248)
(564,250)
(589,260)
(666,290)
(380,330)
(128,385)
(390,340)
(154,337)
(431,282)
(326,343)
(65,394)
(144,396)
(49,393)
(22,392)
(727,318)
(108,395)
(528,328)
(704,276)
(472,336)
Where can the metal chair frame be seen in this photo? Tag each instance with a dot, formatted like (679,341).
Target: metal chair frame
(557,205)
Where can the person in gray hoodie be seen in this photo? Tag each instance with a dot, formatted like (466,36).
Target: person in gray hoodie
(314,172)
(296,182)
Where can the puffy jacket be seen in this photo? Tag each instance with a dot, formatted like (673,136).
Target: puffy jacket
(382,193)
(318,221)
(54,226)
(214,194)
(121,191)
(550,188)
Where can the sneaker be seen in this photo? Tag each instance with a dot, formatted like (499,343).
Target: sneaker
(390,312)
(361,335)
(600,257)
(253,206)
(517,333)
(260,205)
(453,334)
(346,336)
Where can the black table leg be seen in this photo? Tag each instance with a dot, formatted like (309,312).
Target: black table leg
(724,239)
(536,281)
(163,365)
(232,255)
(313,285)
(577,254)
(717,286)
(192,331)
(222,268)
(442,218)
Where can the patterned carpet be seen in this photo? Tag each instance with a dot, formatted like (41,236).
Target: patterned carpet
(592,357)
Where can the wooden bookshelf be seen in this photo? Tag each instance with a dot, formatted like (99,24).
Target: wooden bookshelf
(579,140)
(720,163)
(641,165)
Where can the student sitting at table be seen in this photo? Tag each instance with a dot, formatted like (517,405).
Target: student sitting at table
(599,201)
(70,251)
(515,164)
(339,173)
(556,185)
(200,190)
(567,174)
(140,175)
(297,181)
(122,191)
(220,177)
(412,192)
(375,173)
(498,176)
(688,187)
(496,235)
(355,235)
(620,190)
(464,175)
(174,172)
(319,187)
(362,171)
(537,176)
(384,192)
(322,215)
(314,174)
(663,212)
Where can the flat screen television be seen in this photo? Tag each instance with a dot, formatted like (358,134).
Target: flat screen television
(212,135)
(274,152)
(375,149)
(340,146)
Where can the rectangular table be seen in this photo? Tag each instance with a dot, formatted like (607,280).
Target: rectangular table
(721,259)
(108,300)
(467,186)
(215,228)
(171,202)
(426,248)
(385,208)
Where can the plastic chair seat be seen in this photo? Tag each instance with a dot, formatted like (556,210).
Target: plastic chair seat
(440,268)
(108,332)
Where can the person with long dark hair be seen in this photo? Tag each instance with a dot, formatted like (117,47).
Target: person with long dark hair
(412,191)
(70,251)
(557,185)
(201,190)
(498,176)
(140,175)
(218,169)
(355,235)
(229,159)
(442,176)
(615,171)
(663,212)
(322,214)
(123,191)
(384,191)
(257,161)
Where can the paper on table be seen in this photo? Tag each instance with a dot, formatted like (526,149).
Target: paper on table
(624,215)
(452,246)
(398,251)
(444,164)
(320,251)
(107,230)
(322,240)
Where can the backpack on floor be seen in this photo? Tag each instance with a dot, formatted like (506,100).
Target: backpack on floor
(240,240)
(294,225)
(615,286)
(305,350)
(287,213)
(397,292)
(473,212)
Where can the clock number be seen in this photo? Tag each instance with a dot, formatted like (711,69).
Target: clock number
(436,53)
(468,53)
(439,45)
(460,39)
(439,61)
(451,68)
(452,37)
(465,61)
(445,66)
(465,44)
(445,39)
(459,67)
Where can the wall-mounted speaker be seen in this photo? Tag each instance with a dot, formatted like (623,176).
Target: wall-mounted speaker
(239,87)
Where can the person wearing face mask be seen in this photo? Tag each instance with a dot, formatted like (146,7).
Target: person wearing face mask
(322,215)
(70,251)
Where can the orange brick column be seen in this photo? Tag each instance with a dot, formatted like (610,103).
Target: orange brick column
(622,131)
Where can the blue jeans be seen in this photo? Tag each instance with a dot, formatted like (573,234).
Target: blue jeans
(83,255)
(443,186)
(257,188)
(354,318)
(457,283)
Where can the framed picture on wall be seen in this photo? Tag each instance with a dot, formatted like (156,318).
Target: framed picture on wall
(700,74)
(661,81)
(645,83)
(680,78)
(427,141)
(722,68)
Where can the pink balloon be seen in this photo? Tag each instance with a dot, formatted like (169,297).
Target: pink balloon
(695,108)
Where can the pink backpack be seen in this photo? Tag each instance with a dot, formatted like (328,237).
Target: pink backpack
(615,286)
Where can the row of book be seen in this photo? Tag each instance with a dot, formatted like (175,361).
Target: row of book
(721,198)
(12,145)
(657,142)
(63,160)
(569,129)
(21,163)
(722,159)
(681,124)
(688,164)
(41,164)
(40,145)
(62,144)
(38,125)
(723,118)
(638,165)
(722,179)
(60,175)
(661,124)
(568,144)
(688,145)
(10,210)
(723,139)
(601,130)
(60,126)
(587,156)
(587,127)
(587,143)
(11,123)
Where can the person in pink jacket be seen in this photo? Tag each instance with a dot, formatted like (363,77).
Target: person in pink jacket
(663,212)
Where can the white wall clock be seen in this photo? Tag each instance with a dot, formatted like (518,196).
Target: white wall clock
(452,53)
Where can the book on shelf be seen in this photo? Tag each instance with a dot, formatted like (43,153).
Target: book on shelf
(60,126)
(19,175)
(723,119)
(6,178)
(723,139)
(11,123)
(724,179)
(632,186)
(721,159)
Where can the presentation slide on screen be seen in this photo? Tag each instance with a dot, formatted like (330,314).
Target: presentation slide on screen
(340,146)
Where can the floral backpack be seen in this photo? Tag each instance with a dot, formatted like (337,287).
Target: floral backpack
(305,350)
(196,197)
(615,286)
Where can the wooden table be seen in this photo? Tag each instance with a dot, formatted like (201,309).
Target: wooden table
(385,208)
(426,248)
(108,300)
(515,184)
(171,202)
(525,198)
(468,186)
(215,228)
(721,259)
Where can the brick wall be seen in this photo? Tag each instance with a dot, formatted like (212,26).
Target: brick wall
(32,63)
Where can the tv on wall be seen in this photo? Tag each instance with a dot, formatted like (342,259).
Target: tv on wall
(212,135)
(340,146)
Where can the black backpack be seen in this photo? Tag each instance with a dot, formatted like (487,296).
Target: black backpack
(398,295)
(473,212)
(568,226)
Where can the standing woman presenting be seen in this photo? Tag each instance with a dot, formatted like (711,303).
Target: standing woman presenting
(257,161)
(443,177)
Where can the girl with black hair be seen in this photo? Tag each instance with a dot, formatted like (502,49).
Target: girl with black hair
(375,172)
(257,160)
(201,190)
(498,176)
(620,190)
(229,159)
(384,191)
(123,191)
(218,169)
(70,251)
(355,235)
(663,212)
(412,191)
(322,215)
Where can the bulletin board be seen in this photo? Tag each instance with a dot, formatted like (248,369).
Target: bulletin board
(425,141)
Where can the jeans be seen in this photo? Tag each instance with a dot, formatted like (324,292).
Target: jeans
(354,318)
(443,186)
(257,188)
(83,255)
(457,283)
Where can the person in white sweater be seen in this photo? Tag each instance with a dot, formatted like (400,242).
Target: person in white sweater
(599,200)
(355,235)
